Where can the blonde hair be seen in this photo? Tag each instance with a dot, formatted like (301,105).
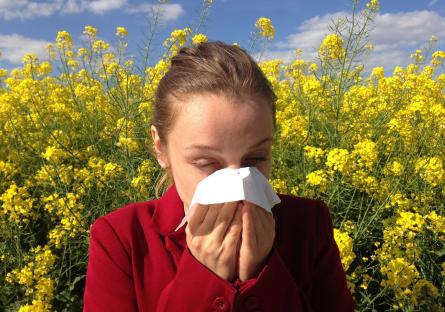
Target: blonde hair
(210,67)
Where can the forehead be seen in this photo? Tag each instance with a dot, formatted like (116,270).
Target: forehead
(216,117)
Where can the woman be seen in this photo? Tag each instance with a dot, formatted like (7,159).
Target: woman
(214,109)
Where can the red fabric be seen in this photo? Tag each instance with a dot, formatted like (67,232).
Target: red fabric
(138,263)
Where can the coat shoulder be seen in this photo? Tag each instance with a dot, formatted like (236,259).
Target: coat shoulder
(303,213)
(292,205)
(129,213)
(128,220)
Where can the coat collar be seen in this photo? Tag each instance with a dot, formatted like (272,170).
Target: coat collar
(169,212)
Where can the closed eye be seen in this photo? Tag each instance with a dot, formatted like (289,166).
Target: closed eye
(251,159)
(258,158)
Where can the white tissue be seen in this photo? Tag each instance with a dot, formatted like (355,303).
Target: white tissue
(226,185)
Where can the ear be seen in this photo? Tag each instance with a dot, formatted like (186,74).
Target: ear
(159,148)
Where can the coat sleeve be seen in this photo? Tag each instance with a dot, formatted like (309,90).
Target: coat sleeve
(109,283)
(196,288)
(275,289)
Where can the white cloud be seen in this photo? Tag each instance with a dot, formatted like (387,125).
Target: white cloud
(72,7)
(310,34)
(14,47)
(394,36)
(410,28)
(28,9)
(102,6)
(170,12)
(24,9)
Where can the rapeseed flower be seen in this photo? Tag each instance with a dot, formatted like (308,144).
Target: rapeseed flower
(345,246)
(265,27)
(121,32)
(199,38)
(332,47)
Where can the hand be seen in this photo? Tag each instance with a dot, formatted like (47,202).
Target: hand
(213,235)
(258,235)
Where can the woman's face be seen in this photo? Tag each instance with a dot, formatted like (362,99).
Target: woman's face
(212,133)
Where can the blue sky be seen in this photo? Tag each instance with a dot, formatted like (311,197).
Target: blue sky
(401,27)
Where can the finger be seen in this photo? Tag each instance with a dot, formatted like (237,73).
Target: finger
(249,231)
(198,216)
(261,216)
(234,230)
(224,219)
(207,224)
(266,219)
(266,226)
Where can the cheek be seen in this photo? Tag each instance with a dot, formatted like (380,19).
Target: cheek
(265,169)
(186,179)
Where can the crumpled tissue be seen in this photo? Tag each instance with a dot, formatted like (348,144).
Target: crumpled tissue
(226,185)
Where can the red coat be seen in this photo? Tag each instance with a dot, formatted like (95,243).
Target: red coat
(138,263)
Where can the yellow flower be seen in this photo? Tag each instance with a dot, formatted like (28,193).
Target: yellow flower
(17,204)
(265,27)
(44,68)
(83,52)
(319,179)
(366,153)
(313,67)
(294,128)
(64,40)
(142,181)
(437,223)
(3,73)
(369,46)
(431,170)
(279,185)
(121,32)
(25,276)
(410,221)
(395,168)
(345,246)
(199,38)
(50,50)
(180,35)
(177,39)
(332,47)
(398,200)
(45,288)
(437,58)
(339,160)
(100,45)
(373,5)
(417,56)
(90,31)
(314,153)
(359,67)
(378,72)
(128,143)
(400,274)
(54,154)
(30,58)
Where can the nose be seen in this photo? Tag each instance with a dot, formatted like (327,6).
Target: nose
(235,165)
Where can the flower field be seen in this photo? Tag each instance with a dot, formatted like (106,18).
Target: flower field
(74,137)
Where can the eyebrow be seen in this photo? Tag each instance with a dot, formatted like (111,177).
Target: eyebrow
(214,148)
